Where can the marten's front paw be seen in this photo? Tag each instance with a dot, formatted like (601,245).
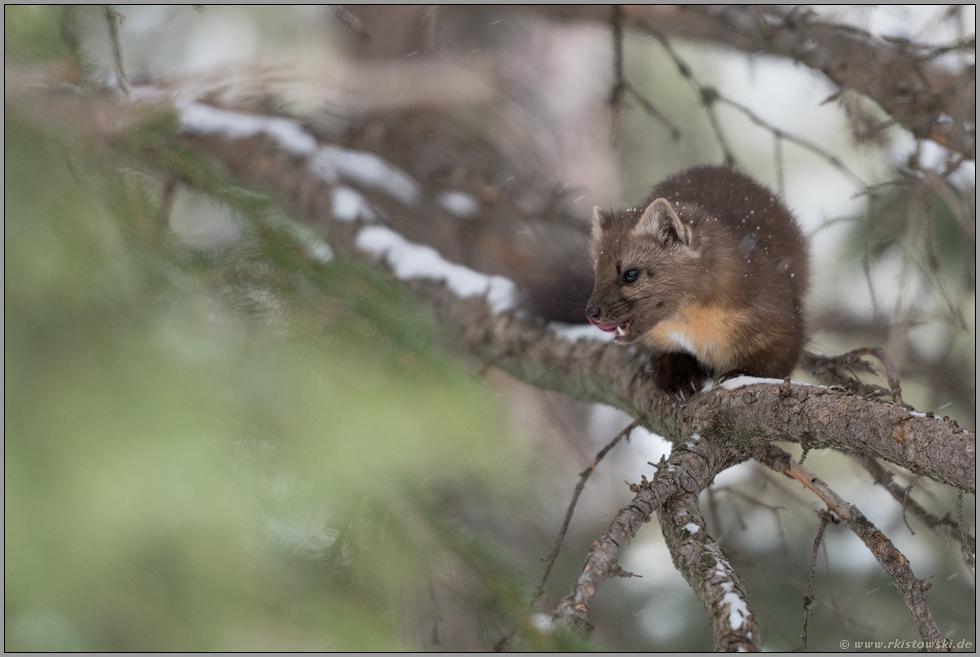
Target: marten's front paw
(680,375)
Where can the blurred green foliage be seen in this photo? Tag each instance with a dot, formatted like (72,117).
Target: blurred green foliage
(31,32)
(229,450)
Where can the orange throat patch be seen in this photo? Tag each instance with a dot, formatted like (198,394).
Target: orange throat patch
(709,332)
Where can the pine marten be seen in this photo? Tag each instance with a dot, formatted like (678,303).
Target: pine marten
(710,273)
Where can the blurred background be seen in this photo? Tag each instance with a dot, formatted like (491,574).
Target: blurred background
(214,442)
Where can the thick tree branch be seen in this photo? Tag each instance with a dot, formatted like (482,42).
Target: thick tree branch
(715,583)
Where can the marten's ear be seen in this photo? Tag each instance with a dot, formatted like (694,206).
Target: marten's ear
(659,220)
(599,221)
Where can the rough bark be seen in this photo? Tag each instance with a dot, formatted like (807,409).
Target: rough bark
(716,584)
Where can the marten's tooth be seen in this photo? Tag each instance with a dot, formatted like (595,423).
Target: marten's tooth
(620,331)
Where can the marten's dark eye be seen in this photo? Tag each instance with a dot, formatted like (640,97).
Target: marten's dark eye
(630,276)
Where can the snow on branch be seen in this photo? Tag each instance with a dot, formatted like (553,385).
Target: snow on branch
(408,261)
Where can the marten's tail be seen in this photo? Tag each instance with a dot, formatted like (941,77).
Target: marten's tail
(560,291)
(550,264)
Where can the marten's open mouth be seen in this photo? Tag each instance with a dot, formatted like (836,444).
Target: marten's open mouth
(622,330)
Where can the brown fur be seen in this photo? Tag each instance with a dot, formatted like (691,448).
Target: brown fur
(722,270)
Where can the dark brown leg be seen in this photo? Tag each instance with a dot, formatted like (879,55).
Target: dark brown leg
(679,374)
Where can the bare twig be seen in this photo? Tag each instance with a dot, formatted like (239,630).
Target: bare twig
(778,157)
(830,369)
(944,375)
(619,84)
(877,187)
(645,103)
(931,51)
(799,141)
(502,643)
(895,76)
(113,18)
(710,96)
(892,561)
(891,374)
(583,477)
(351,20)
(434,637)
(808,600)
(932,256)
(430,23)
(866,256)
(960,208)
(943,526)
(827,223)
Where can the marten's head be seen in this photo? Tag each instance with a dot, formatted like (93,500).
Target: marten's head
(647,264)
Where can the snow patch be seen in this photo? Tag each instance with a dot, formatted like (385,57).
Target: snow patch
(692,528)
(320,251)
(332,163)
(740,381)
(918,414)
(542,622)
(207,120)
(348,205)
(738,610)
(409,260)
(461,204)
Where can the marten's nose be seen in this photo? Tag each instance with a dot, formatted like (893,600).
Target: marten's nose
(593,312)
